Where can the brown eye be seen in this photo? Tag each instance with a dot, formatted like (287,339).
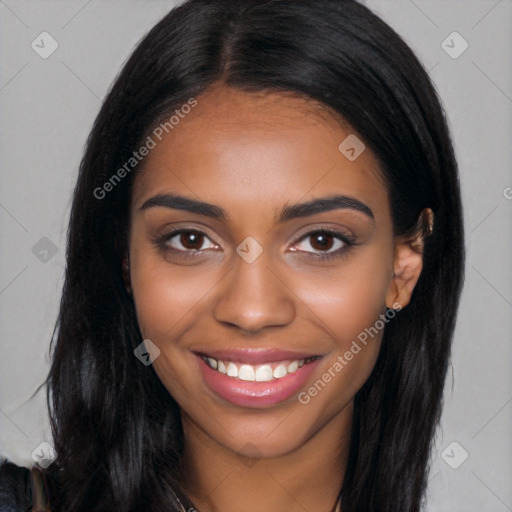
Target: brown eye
(185,242)
(322,241)
(191,240)
(324,244)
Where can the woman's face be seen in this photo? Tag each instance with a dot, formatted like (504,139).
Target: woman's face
(252,268)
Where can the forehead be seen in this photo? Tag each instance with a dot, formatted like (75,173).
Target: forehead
(258,151)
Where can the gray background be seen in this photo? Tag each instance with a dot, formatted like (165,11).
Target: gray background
(48,107)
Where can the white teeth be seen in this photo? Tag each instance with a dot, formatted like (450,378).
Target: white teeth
(251,373)
(264,373)
(280,371)
(232,370)
(292,367)
(247,372)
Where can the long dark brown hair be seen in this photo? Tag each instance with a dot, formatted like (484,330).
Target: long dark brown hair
(116,429)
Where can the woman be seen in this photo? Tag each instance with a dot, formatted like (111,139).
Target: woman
(265,257)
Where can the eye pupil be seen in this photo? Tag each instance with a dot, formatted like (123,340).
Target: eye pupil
(191,240)
(322,241)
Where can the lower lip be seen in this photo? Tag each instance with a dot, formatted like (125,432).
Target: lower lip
(256,394)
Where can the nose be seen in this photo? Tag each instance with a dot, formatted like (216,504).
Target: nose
(253,296)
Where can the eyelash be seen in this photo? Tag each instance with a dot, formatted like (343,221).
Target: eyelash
(161,243)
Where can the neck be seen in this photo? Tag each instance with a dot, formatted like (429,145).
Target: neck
(218,479)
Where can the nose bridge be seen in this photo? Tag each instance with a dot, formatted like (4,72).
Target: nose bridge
(253,296)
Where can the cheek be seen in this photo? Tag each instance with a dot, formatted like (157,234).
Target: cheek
(348,300)
(165,295)
(349,308)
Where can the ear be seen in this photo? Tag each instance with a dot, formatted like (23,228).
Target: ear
(408,261)
(406,272)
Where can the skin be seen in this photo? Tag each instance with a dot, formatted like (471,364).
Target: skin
(252,154)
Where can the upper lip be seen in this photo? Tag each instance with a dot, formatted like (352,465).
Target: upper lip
(254,355)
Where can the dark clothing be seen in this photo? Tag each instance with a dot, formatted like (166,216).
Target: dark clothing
(22,489)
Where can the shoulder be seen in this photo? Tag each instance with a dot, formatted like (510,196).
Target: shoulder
(14,487)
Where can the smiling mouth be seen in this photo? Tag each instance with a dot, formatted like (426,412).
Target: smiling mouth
(257,373)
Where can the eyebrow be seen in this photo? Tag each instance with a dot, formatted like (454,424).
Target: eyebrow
(313,207)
